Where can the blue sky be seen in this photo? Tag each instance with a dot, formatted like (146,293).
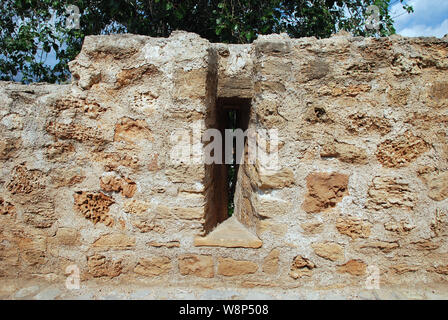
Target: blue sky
(429,19)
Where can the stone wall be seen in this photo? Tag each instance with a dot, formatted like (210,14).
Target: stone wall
(86,175)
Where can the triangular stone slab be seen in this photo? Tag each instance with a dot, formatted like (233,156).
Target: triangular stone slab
(229,234)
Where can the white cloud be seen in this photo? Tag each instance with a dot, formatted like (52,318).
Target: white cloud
(421,30)
(429,19)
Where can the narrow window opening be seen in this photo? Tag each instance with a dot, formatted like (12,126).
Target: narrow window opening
(223,227)
(231,167)
(236,117)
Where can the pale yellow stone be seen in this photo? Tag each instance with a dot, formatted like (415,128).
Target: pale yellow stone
(115,241)
(196,265)
(230,267)
(230,234)
(154,266)
(329,250)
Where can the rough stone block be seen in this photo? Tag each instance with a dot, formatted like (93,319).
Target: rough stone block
(329,250)
(353,267)
(325,190)
(154,266)
(230,267)
(114,241)
(301,267)
(196,265)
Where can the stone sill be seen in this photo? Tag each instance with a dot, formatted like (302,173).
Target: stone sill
(229,234)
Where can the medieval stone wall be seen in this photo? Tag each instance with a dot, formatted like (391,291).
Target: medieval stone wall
(87,177)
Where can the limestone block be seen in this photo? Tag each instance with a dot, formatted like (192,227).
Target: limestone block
(329,250)
(271,262)
(196,265)
(114,241)
(301,267)
(401,151)
(154,266)
(325,190)
(353,227)
(353,267)
(387,192)
(230,267)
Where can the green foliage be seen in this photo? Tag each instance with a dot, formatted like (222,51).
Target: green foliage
(27,37)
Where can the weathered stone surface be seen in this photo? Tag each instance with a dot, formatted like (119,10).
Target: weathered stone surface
(100,266)
(188,213)
(25,181)
(312,227)
(190,84)
(131,131)
(399,227)
(129,76)
(154,163)
(136,207)
(9,148)
(67,236)
(118,184)
(353,267)
(439,224)
(381,245)
(41,212)
(67,177)
(145,226)
(344,152)
(268,115)
(403,268)
(317,69)
(401,151)
(185,174)
(398,97)
(154,266)
(363,123)
(437,183)
(76,132)
(28,291)
(170,244)
(426,245)
(112,160)
(437,93)
(316,114)
(230,267)
(301,267)
(196,265)
(442,269)
(270,207)
(6,208)
(329,250)
(114,241)
(325,190)
(353,227)
(275,179)
(277,229)
(229,234)
(387,192)
(365,115)
(94,206)
(271,262)
(90,108)
(349,91)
